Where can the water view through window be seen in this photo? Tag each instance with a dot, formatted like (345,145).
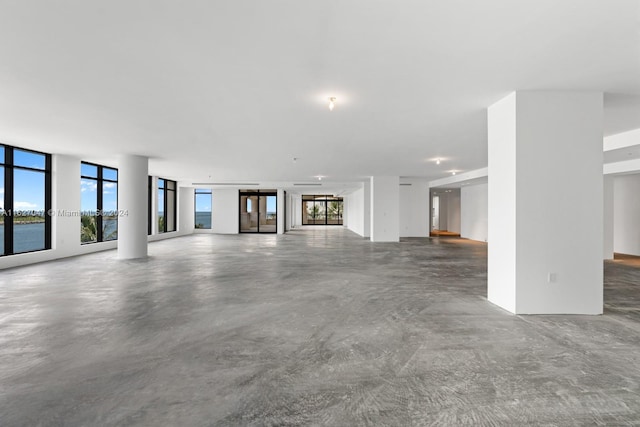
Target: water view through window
(202,208)
(25,190)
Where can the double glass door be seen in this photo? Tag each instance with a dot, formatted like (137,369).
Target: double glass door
(321,210)
(258,212)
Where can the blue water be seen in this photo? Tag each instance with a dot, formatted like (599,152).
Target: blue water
(203,218)
(26,237)
(109,229)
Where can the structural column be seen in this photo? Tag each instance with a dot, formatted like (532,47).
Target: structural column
(546,203)
(385,208)
(132,203)
(367,210)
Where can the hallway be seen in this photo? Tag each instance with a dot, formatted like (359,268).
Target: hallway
(315,327)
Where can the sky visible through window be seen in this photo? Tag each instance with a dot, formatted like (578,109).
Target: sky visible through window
(271,204)
(28,186)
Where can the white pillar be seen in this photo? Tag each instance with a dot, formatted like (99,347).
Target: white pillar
(280,212)
(545,203)
(385,208)
(367,210)
(608,217)
(65,228)
(132,202)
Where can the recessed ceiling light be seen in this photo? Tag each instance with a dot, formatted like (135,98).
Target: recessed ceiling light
(453,173)
(332,103)
(437,161)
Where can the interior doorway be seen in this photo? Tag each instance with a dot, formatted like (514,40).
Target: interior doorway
(445,212)
(435,213)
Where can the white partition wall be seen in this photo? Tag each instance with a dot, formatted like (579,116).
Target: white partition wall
(627,214)
(385,208)
(281,212)
(545,208)
(355,212)
(609,200)
(65,229)
(473,212)
(414,209)
(225,211)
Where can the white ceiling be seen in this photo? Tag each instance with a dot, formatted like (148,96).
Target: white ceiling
(218,91)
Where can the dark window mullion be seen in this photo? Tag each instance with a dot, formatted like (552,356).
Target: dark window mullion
(47,202)
(99,197)
(8,197)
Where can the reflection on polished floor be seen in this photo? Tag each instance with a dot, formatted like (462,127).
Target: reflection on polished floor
(316,327)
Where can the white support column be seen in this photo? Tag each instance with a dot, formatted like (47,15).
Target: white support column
(280,212)
(546,203)
(65,228)
(385,208)
(132,201)
(154,205)
(367,209)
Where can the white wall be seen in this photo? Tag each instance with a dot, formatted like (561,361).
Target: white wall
(289,211)
(367,209)
(626,212)
(355,211)
(474,212)
(296,210)
(443,210)
(453,211)
(281,212)
(186,210)
(225,211)
(501,257)
(414,209)
(608,209)
(385,209)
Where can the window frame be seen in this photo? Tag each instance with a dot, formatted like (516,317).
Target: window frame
(323,200)
(9,167)
(174,206)
(100,180)
(201,191)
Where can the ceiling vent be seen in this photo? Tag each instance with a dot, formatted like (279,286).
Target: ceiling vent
(235,184)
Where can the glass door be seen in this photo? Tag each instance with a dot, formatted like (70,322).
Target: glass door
(258,212)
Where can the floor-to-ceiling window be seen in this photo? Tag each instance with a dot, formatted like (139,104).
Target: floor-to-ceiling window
(166,205)
(98,203)
(322,210)
(25,197)
(202,204)
(258,211)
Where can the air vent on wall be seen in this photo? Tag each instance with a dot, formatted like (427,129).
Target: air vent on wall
(235,184)
(313,184)
(404,183)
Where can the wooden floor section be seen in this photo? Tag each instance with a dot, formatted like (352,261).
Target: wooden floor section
(443,233)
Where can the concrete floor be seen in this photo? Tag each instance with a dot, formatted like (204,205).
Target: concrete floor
(312,328)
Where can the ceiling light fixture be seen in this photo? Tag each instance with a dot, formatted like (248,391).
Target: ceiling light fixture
(453,173)
(437,161)
(332,103)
